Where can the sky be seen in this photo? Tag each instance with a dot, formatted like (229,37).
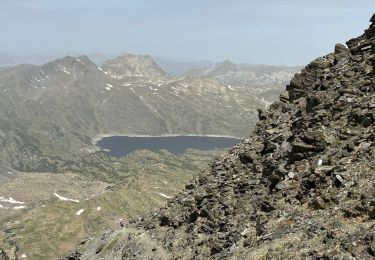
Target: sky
(280,32)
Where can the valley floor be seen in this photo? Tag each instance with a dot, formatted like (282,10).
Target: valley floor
(44,215)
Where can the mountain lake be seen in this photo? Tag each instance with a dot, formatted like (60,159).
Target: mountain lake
(119,146)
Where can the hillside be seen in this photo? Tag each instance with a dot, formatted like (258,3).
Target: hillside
(38,210)
(300,187)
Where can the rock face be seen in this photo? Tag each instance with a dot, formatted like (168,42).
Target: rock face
(3,256)
(133,65)
(301,187)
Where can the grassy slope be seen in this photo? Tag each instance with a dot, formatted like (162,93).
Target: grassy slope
(48,228)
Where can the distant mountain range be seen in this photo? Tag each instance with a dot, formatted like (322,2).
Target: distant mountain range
(59,106)
(174,67)
(228,72)
(179,68)
(10,60)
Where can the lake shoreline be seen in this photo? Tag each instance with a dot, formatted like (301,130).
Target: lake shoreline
(121,145)
(99,137)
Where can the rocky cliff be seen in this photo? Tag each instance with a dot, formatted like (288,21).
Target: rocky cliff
(301,186)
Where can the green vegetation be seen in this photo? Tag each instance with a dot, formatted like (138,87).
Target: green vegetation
(49,227)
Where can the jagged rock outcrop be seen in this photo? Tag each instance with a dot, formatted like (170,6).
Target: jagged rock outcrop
(300,187)
(3,255)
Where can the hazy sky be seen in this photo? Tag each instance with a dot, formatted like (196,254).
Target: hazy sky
(255,31)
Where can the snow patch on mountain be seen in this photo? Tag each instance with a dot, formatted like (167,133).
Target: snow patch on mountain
(65,199)
(11,200)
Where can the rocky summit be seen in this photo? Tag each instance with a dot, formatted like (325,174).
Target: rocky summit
(133,65)
(300,187)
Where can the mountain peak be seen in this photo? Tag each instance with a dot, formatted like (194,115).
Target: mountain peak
(227,63)
(130,65)
(225,66)
(372,20)
(86,60)
(68,66)
(81,62)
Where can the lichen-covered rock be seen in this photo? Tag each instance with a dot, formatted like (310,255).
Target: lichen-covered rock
(300,187)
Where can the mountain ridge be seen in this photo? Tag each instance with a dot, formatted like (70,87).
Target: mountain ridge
(243,74)
(176,68)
